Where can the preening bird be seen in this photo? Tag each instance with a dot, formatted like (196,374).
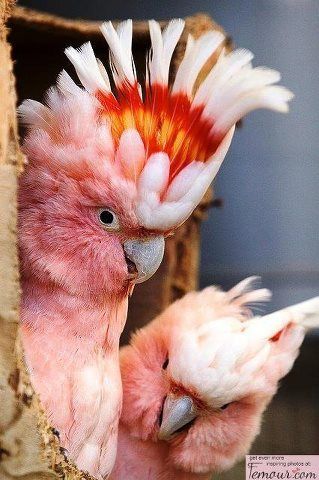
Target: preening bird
(197,380)
(109,175)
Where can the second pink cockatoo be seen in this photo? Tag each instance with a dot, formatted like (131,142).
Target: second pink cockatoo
(109,175)
(197,380)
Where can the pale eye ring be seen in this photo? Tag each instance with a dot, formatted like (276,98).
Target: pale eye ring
(109,219)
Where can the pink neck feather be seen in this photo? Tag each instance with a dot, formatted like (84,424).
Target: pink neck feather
(51,310)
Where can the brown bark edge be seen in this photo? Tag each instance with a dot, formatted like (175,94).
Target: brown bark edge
(24,453)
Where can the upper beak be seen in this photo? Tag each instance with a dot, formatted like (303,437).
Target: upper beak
(177,412)
(146,256)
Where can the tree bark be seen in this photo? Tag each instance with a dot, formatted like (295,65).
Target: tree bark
(29,449)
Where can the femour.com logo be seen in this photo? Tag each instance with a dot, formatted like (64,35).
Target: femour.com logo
(282,467)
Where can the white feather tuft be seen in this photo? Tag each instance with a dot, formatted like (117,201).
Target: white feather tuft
(35,114)
(120,44)
(244,293)
(87,68)
(245,82)
(226,67)
(169,214)
(183,181)
(162,216)
(243,286)
(196,55)
(305,314)
(162,48)
(233,88)
(270,97)
(66,85)
(154,176)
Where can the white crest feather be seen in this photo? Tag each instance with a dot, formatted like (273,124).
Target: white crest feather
(178,203)
(196,55)
(233,88)
(304,313)
(154,177)
(224,355)
(270,97)
(225,68)
(162,48)
(87,68)
(33,113)
(66,85)
(120,43)
(244,292)
(183,181)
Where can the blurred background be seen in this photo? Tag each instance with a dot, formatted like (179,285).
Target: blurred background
(269,183)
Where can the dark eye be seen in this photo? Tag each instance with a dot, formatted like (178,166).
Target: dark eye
(165,364)
(225,406)
(109,219)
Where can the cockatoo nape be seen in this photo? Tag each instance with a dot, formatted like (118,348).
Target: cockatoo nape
(197,380)
(110,174)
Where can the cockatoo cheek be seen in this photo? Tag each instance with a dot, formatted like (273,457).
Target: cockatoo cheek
(217,441)
(142,371)
(64,241)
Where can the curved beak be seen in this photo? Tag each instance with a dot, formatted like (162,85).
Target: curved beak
(143,257)
(177,413)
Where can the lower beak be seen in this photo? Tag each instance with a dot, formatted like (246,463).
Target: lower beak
(144,256)
(177,413)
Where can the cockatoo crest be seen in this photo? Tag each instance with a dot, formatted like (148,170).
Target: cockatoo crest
(169,141)
(234,355)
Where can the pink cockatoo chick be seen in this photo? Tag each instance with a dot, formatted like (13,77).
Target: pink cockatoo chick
(197,380)
(109,175)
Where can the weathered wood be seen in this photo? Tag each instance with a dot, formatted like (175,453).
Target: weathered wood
(29,449)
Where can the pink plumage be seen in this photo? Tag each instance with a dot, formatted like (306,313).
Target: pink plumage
(109,176)
(197,379)
(75,285)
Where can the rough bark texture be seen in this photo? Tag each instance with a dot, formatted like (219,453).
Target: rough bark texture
(19,440)
(29,448)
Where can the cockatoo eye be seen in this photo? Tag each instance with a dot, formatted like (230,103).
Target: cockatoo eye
(165,364)
(225,406)
(109,219)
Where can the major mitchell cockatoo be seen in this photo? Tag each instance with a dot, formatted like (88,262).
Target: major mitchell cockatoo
(197,380)
(109,175)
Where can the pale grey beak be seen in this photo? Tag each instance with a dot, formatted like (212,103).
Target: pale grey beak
(177,412)
(146,255)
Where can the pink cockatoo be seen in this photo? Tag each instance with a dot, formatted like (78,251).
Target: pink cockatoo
(197,380)
(110,174)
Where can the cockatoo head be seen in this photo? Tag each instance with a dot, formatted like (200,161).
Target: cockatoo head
(112,173)
(205,370)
